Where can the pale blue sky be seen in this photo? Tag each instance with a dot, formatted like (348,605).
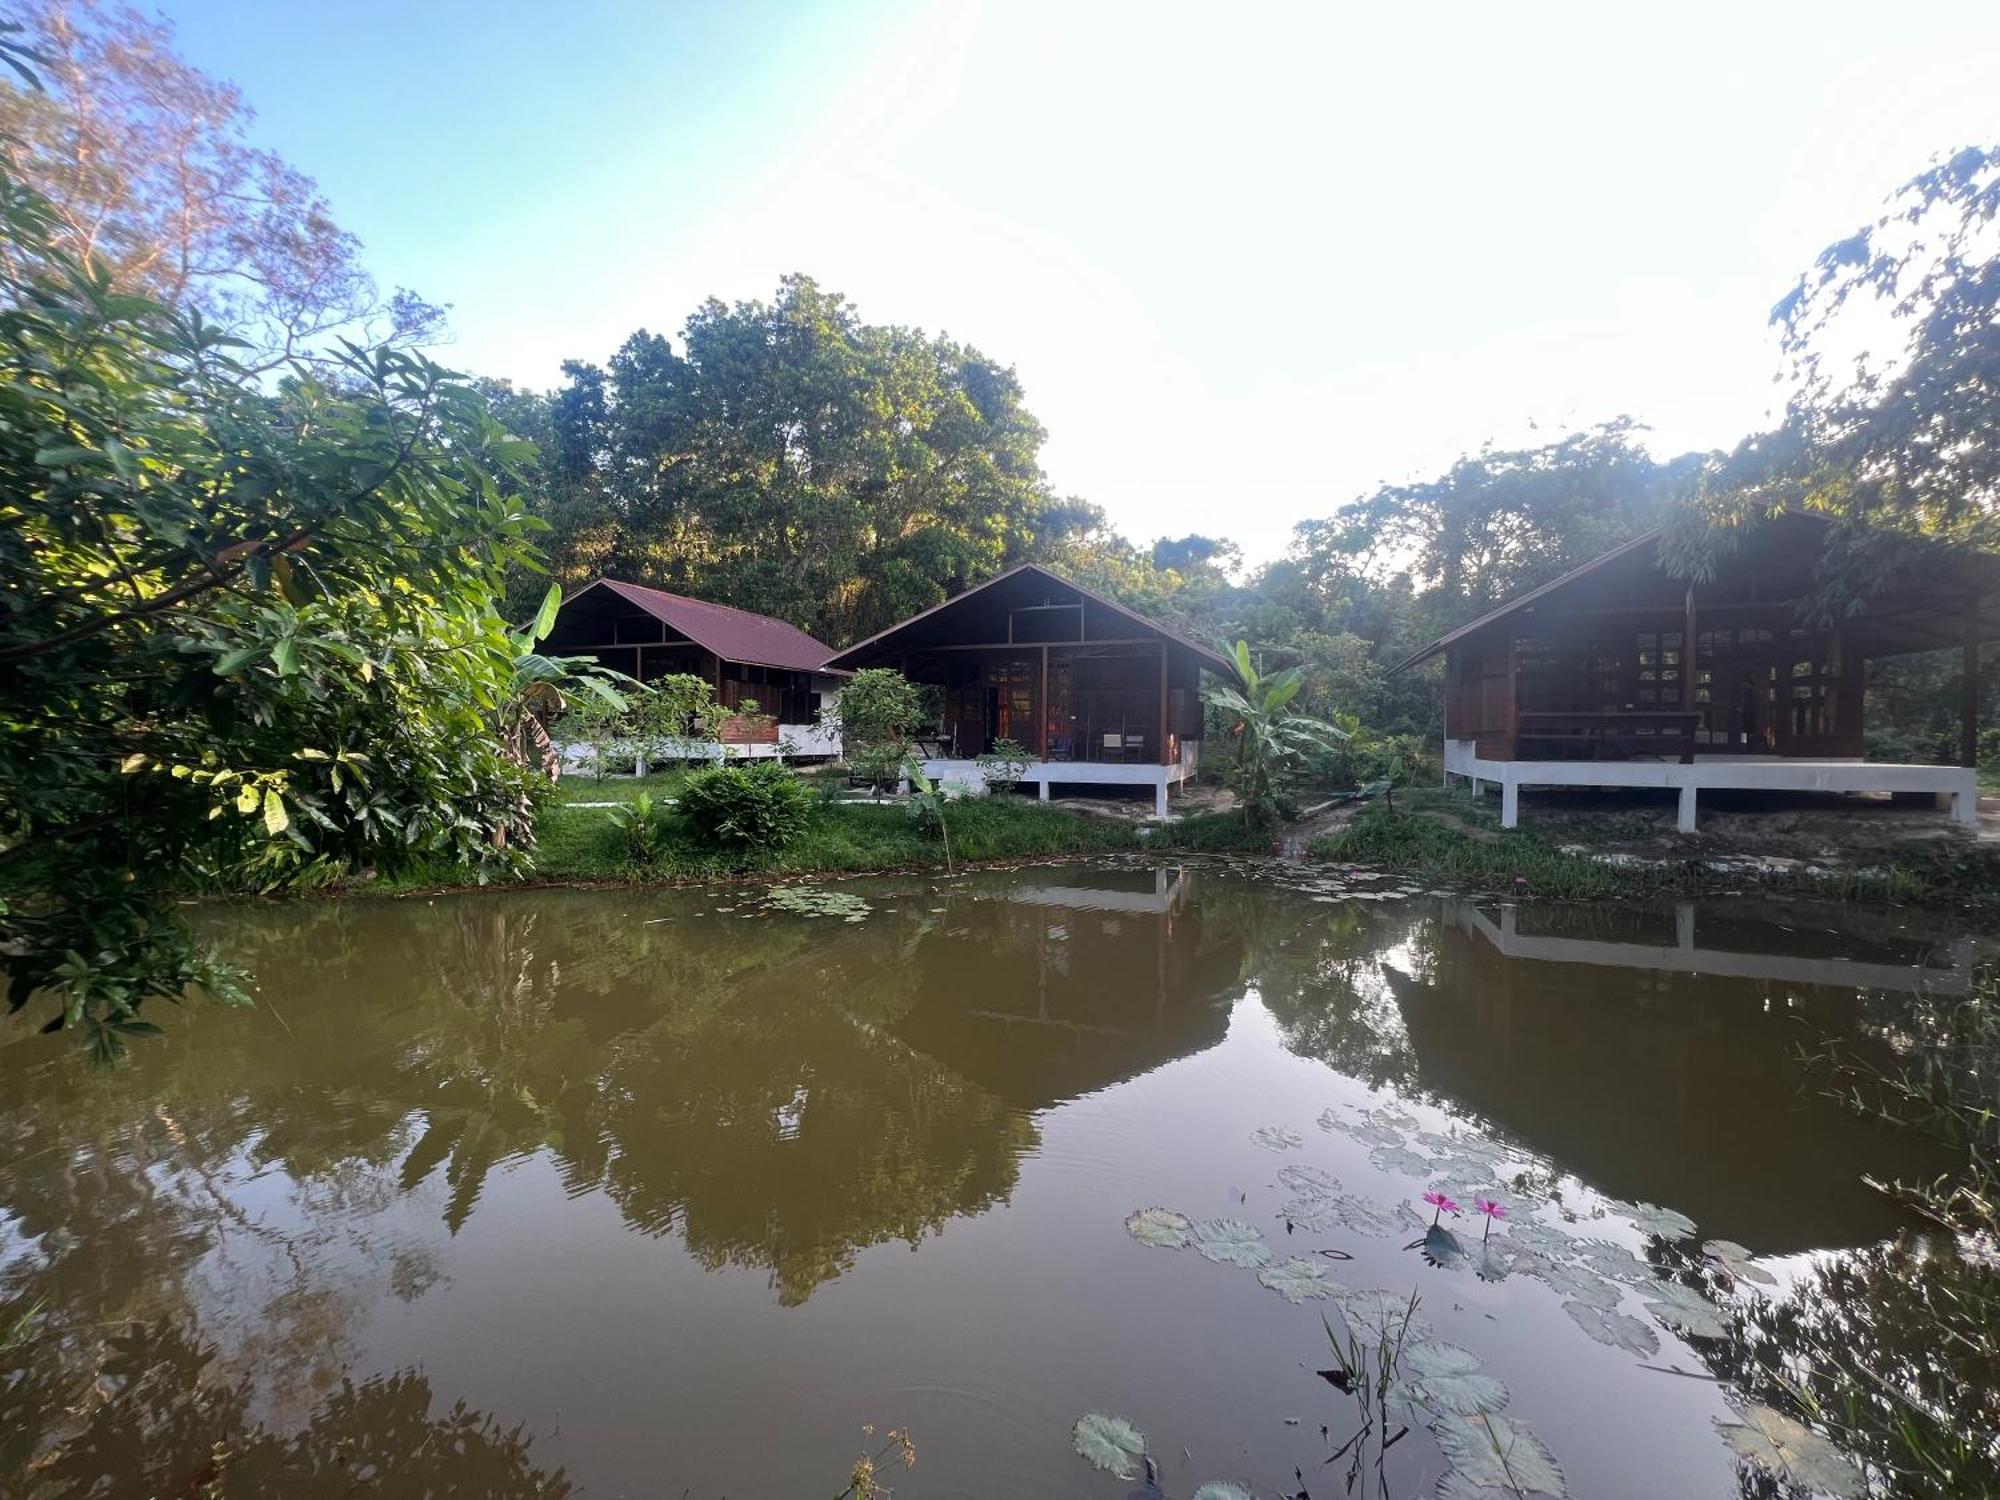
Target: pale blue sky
(1249,260)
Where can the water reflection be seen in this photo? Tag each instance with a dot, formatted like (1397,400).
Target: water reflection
(511,1091)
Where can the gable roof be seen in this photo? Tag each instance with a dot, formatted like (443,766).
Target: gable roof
(1214,660)
(1623,549)
(732,634)
(1929,614)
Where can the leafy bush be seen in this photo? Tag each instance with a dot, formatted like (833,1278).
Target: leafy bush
(638,822)
(758,806)
(1004,765)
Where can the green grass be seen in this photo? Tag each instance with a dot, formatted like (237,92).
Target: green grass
(1412,838)
(573,788)
(581,844)
(1454,840)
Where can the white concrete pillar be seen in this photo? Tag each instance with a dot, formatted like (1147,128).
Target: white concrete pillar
(1510,803)
(1965,804)
(1160,795)
(1478,786)
(1042,788)
(1685,822)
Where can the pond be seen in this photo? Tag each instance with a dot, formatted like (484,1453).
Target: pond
(674,1192)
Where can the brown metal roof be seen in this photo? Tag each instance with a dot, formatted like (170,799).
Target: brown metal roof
(1929,617)
(732,634)
(1214,660)
(1644,539)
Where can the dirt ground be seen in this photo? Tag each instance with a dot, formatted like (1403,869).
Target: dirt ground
(1835,831)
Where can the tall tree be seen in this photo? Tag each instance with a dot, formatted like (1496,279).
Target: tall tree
(1892,342)
(147,169)
(245,634)
(792,459)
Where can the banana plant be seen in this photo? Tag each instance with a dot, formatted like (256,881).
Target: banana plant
(1272,743)
(540,686)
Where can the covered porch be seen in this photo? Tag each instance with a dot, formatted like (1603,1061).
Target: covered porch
(1093,694)
(1955,787)
(1619,674)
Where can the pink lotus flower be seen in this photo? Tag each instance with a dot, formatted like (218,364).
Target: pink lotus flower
(1492,1210)
(1442,1204)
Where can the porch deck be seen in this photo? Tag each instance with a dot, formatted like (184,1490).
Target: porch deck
(1957,785)
(1042,774)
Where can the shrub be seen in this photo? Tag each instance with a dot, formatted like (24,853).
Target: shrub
(758,806)
(638,824)
(1004,765)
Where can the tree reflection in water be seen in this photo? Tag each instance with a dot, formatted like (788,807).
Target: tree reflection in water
(153,1414)
(780,1094)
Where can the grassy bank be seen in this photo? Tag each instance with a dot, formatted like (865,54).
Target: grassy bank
(1453,838)
(578,843)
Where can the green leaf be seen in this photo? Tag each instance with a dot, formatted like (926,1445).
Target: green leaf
(232,662)
(545,618)
(285,657)
(1298,1279)
(1230,1242)
(1111,1443)
(1790,1450)
(1159,1227)
(275,820)
(133,762)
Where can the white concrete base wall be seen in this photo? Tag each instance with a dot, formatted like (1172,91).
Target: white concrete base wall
(1041,774)
(1957,786)
(794,740)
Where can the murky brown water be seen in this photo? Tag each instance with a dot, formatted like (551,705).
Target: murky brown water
(687,1190)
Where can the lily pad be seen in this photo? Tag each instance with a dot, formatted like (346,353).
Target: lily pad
(1737,1261)
(1619,1330)
(1667,1223)
(1790,1450)
(1447,1379)
(1230,1242)
(1223,1489)
(1443,1248)
(1382,1315)
(1314,1215)
(1685,1308)
(815,901)
(1160,1227)
(1614,1261)
(1111,1443)
(1400,1158)
(1579,1285)
(1277,1138)
(1298,1280)
(1308,1181)
(1489,1452)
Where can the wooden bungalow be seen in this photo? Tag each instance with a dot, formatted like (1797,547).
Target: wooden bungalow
(1097,694)
(648,633)
(1619,674)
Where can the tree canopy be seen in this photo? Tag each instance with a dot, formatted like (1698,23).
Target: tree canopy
(250,635)
(147,171)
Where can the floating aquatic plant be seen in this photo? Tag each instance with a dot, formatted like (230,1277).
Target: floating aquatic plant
(1400,1158)
(1111,1443)
(1614,1261)
(1442,1248)
(1685,1308)
(1277,1138)
(1230,1242)
(1308,1181)
(1579,1285)
(1493,1210)
(1160,1227)
(1447,1379)
(1619,1330)
(1223,1489)
(1299,1280)
(1650,1218)
(1790,1450)
(816,901)
(1495,1455)
(1737,1261)
(1379,1314)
